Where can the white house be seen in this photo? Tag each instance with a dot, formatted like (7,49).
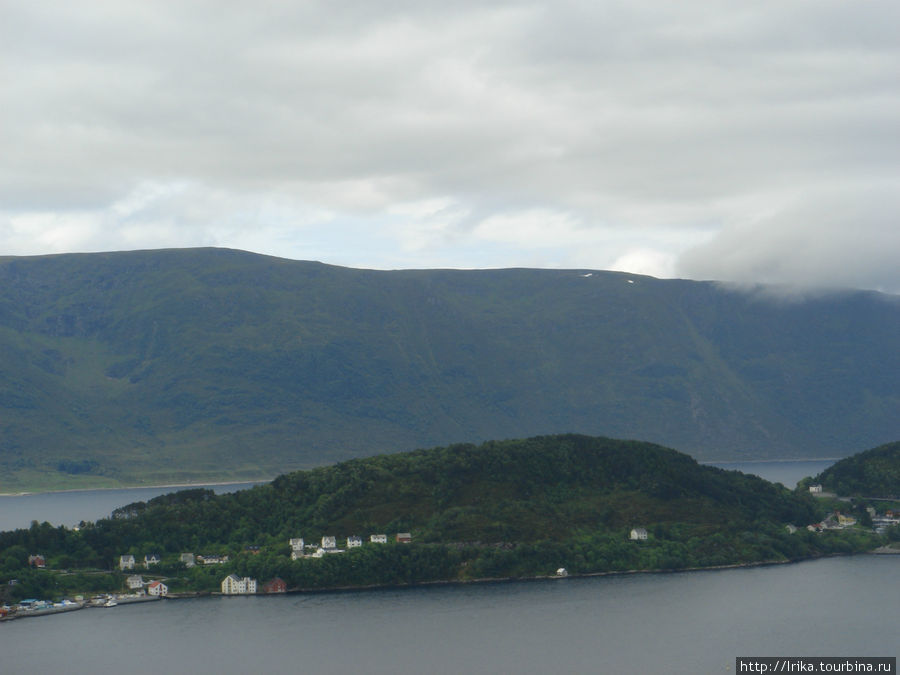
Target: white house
(158,589)
(378,538)
(151,559)
(815,489)
(329,542)
(353,542)
(297,544)
(134,581)
(235,585)
(126,562)
(562,572)
(638,533)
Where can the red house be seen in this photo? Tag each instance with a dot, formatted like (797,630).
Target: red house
(276,585)
(36,561)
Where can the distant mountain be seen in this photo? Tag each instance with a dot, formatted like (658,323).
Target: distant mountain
(873,473)
(201,364)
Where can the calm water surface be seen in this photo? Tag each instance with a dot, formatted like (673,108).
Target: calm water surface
(691,622)
(786,472)
(70,508)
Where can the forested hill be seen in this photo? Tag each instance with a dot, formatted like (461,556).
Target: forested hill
(548,487)
(873,473)
(501,509)
(544,495)
(202,364)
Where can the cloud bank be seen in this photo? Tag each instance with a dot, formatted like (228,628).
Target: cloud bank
(741,143)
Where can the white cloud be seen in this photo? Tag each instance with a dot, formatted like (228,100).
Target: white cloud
(646,261)
(470,134)
(843,236)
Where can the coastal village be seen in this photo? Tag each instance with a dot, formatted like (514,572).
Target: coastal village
(141,589)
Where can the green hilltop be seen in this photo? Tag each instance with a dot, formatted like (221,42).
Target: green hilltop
(210,364)
(502,509)
(873,473)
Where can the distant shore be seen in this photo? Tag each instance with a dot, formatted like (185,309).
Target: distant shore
(27,493)
(24,493)
(705,462)
(765,461)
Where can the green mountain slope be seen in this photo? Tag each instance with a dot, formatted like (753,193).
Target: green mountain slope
(203,364)
(873,473)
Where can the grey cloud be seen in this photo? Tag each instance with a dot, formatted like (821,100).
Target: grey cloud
(843,238)
(639,116)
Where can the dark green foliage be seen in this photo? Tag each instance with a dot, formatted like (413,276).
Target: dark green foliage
(501,509)
(177,365)
(873,473)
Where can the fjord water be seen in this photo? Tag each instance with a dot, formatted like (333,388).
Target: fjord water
(691,622)
(70,508)
(788,472)
(687,622)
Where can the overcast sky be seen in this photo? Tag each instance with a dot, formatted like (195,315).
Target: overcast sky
(749,141)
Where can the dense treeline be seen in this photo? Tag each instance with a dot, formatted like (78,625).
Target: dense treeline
(510,508)
(873,473)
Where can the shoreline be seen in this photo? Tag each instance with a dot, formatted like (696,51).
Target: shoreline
(137,487)
(194,595)
(189,595)
(764,461)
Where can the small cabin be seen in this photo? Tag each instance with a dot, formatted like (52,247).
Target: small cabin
(276,585)
(158,589)
(638,534)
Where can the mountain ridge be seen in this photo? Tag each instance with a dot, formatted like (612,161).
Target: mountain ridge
(214,364)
